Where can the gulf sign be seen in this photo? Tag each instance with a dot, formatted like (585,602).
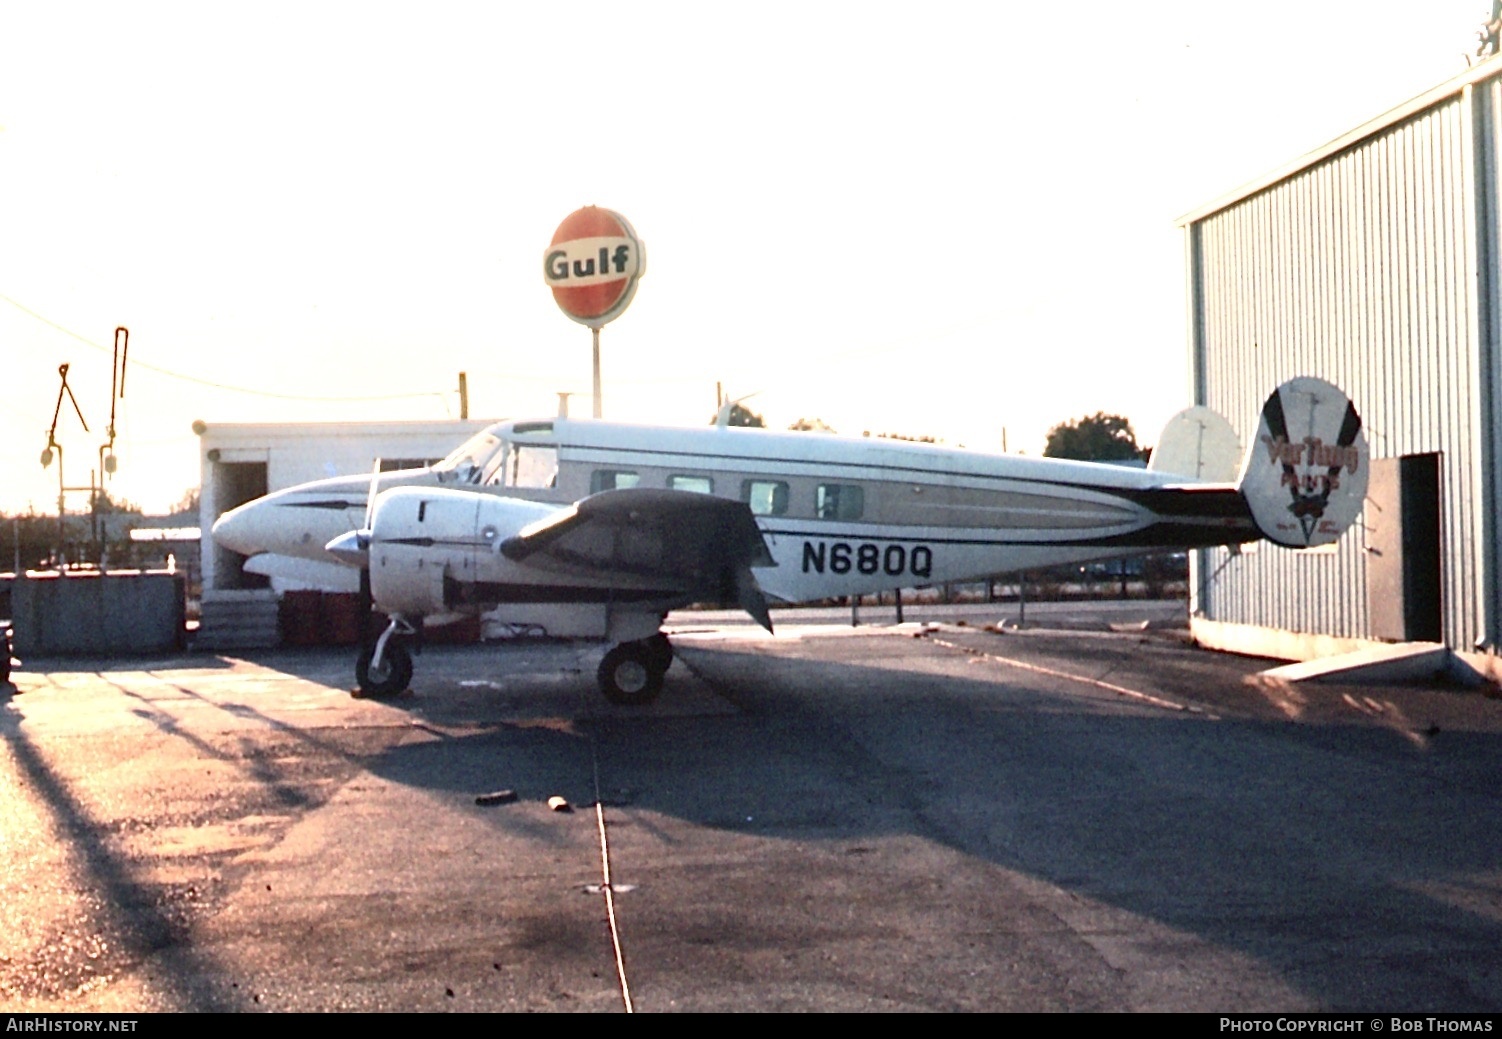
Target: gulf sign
(593,264)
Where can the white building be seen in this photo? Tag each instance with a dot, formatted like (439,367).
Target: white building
(1372,262)
(243,461)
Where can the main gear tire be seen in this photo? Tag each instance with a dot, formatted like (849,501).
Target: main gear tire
(630,675)
(661,651)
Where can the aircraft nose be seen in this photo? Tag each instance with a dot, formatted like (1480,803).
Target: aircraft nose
(241,530)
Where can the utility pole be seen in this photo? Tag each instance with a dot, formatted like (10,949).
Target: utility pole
(47,453)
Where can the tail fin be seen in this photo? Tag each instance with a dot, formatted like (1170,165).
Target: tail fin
(1305,473)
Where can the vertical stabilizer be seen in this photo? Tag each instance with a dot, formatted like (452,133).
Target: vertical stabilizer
(1306,469)
(1198,444)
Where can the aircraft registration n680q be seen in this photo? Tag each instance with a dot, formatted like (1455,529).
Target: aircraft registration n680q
(638,520)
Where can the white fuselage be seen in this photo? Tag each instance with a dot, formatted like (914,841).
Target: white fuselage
(840,515)
(845,516)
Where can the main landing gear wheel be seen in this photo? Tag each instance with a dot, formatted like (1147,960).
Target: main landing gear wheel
(661,651)
(631,673)
(393,675)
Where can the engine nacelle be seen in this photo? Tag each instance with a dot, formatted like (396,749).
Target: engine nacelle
(421,536)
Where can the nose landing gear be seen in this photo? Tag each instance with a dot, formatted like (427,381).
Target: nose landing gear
(385,669)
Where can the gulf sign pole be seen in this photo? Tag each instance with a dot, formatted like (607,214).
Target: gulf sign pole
(592,265)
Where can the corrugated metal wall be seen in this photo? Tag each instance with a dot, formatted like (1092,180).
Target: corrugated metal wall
(1370,266)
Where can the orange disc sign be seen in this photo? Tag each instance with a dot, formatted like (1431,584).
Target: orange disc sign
(593,264)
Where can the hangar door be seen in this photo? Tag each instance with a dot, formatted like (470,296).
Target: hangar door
(1403,576)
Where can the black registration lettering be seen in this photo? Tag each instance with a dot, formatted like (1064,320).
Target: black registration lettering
(894,559)
(813,558)
(921,563)
(840,557)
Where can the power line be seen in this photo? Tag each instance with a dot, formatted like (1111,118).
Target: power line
(209,382)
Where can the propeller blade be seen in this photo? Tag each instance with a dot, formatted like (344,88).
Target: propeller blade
(375,486)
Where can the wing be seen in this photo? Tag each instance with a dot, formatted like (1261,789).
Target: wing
(701,546)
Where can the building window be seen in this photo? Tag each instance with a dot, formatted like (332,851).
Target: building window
(766,497)
(840,501)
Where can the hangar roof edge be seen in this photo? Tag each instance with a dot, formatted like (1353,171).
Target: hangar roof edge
(1491,67)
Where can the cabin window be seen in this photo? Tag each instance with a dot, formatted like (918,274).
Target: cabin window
(841,501)
(766,497)
(533,466)
(697,484)
(612,479)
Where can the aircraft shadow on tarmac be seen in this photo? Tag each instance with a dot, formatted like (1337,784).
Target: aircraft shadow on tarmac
(1358,866)
(1307,847)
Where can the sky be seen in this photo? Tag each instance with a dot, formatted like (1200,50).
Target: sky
(945,219)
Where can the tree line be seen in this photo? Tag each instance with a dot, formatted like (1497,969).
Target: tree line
(1093,438)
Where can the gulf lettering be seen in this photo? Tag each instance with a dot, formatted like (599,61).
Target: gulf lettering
(604,262)
(865,557)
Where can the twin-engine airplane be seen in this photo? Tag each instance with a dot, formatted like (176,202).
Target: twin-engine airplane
(633,521)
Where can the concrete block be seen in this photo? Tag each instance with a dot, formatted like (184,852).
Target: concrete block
(98,614)
(1378,665)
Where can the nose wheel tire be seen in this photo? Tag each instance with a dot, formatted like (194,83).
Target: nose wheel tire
(631,673)
(392,676)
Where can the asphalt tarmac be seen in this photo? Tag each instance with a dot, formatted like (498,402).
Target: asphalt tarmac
(932,818)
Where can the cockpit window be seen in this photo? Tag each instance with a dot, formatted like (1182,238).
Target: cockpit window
(494,470)
(533,466)
(472,460)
